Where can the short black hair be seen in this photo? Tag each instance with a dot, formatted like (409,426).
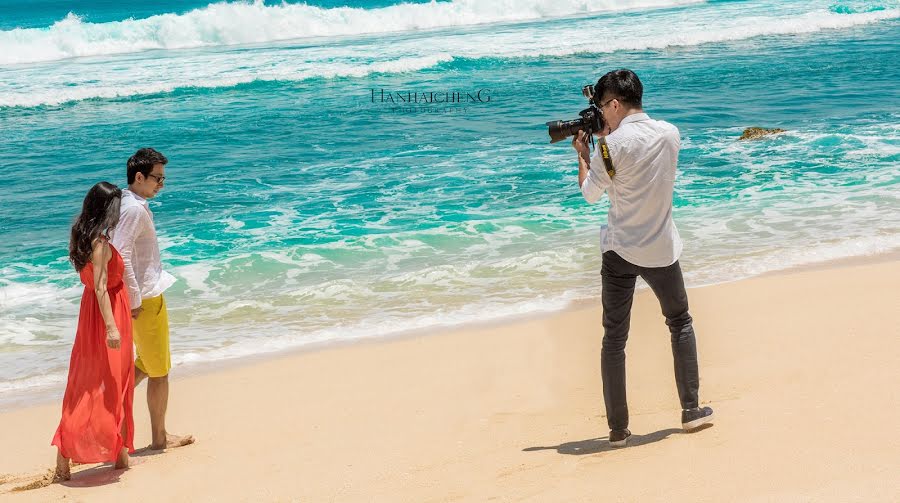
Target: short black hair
(622,84)
(143,161)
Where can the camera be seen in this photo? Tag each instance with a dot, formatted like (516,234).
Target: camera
(590,120)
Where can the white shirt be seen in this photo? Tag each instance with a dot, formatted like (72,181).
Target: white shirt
(644,153)
(135,238)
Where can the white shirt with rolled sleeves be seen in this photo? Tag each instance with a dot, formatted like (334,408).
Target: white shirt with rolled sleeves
(640,228)
(135,238)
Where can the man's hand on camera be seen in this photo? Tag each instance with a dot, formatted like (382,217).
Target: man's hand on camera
(580,144)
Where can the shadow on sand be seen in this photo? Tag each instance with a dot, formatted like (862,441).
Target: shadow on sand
(598,445)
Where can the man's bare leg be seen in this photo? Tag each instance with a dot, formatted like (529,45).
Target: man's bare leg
(139,376)
(158,401)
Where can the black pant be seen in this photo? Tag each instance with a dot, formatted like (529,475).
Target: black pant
(618,279)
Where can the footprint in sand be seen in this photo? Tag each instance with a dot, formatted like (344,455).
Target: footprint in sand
(34,481)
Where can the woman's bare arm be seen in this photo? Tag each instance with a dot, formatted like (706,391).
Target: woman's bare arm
(100,260)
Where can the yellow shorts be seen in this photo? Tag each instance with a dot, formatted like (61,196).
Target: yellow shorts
(151,338)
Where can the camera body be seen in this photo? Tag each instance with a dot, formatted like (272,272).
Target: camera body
(590,120)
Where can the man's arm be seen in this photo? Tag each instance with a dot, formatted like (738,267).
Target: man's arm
(584,167)
(593,182)
(131,222)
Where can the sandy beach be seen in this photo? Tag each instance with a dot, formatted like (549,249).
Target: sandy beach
(800,367)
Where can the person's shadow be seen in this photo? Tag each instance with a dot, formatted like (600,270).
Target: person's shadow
(104,474)
(598,445)
(95,476)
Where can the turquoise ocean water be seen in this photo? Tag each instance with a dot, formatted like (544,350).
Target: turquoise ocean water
(301,209)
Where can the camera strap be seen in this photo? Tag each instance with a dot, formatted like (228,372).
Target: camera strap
(607,160)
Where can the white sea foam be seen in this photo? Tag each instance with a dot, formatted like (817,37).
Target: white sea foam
(233,23)
(234,224)
(33,85)
(781,259)
(278,338)
(24,311)
(195,275)
(116,85)
(19,388)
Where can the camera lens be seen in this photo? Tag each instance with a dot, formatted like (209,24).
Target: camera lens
(560,130)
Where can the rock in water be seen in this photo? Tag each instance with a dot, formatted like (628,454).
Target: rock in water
(752,133)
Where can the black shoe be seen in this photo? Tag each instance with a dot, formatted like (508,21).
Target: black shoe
(691,419)
(618,438)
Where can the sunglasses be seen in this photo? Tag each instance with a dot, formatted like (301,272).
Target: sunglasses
(603,105)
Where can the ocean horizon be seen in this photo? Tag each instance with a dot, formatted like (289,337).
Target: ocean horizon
(348,170)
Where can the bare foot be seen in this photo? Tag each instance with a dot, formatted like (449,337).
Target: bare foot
(173,441)
(61,476)
(123,460)
(62,472)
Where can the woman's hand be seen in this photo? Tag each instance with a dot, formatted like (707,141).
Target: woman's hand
(112,338)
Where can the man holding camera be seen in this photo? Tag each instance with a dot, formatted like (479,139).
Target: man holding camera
(635,165)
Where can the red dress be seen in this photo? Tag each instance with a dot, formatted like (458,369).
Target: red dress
(100,391)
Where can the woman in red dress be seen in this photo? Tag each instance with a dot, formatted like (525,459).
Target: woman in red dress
(97,425)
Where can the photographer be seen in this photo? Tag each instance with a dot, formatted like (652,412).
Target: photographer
(639,240)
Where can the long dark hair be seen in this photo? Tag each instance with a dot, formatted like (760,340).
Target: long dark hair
(99,215)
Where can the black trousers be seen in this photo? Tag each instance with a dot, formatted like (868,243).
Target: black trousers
(618,280)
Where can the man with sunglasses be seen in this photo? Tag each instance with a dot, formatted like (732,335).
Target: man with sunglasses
(640,239)
(135,239)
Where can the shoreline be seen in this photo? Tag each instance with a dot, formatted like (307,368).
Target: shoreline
(48,395)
